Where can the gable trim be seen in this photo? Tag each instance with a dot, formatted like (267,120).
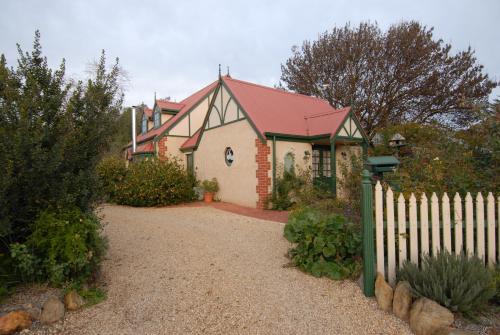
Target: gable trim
(354,118)
(157,137)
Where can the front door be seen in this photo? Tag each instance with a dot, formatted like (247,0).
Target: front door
(321,165)
(190,163)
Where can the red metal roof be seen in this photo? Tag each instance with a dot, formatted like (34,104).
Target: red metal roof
(165,104)
(277,111)
(191,142)
(145,148)
(187,103)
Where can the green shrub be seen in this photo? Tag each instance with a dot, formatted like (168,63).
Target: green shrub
(65,245)
(211,186)
(155,183)
(496,279)
(111,172)
(460,283)
(326,244)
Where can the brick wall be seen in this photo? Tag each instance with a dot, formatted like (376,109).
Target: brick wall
(262,173)
(162,148)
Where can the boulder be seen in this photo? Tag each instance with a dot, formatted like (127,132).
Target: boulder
(401,303)
(73,301)
(453,331)
(14,321)
(52,311)
(427,317)
(383,293)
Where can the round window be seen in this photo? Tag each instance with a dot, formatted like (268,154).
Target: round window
(229,156)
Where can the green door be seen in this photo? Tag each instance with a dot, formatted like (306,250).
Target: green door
(321,165)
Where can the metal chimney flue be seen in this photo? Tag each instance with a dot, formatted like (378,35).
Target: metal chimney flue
(134,139)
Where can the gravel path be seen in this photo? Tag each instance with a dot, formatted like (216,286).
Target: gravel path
(192,270)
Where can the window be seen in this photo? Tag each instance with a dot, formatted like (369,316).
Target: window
(144,124)
(157,117)
(315,163)
(289,163)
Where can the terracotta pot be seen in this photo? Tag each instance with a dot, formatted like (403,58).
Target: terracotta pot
(208,197)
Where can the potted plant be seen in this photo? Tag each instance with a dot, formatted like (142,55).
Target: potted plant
(210,187)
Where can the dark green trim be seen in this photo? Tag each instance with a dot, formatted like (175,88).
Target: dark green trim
(261,137)
(350,139)
(225,109)
(218,112)
(363,138)
(207,115)
(168,135)
(274,165)
(160,135)
(333,167)
(297,138)
(187,150)
(365,151)
(221,125)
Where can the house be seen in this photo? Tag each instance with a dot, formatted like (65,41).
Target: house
(246,134)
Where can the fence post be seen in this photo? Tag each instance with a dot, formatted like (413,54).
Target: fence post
(367,226)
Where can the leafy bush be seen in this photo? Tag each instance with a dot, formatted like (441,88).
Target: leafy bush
(287,188)
(326,244)
(460,283)
(65,245)
(155,183)
(211,186)
(111,172)
(496,279)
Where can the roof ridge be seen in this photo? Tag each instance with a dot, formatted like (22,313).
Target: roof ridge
(275,89)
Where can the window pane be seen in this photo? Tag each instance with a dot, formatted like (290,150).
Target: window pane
(315,163)
(326,164)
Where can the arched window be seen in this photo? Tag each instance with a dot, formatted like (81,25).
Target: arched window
(157,117)
(289,163)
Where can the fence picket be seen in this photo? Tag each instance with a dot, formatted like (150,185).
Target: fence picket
(446,222)
(491,229)
(402,229)
(424,224)
(457,209)
(379,228)
(413,230)
(469,225)
(436,243)
(480,225)
(391,243)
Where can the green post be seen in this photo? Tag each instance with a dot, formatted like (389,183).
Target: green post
(367,230)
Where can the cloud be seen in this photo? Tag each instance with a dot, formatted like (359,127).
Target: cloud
(174,48)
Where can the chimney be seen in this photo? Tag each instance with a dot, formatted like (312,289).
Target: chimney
(134,140)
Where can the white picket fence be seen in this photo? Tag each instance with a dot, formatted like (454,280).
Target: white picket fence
(446,232)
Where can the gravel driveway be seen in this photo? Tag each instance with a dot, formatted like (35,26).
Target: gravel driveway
(199,270)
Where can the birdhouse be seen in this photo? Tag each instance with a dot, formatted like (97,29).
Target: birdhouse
(397,141)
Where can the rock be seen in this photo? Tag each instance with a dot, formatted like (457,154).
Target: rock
(52,311)
(401,303)
(383,293)
(14,321)
(453,331)
(73,301)
(427,317)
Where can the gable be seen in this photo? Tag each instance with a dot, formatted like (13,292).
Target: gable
(224,110)
(193,121)
(350,129)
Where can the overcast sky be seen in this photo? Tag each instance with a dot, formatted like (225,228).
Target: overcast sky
(174,47)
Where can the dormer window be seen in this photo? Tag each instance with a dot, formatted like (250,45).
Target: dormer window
(144,123)
(157,117)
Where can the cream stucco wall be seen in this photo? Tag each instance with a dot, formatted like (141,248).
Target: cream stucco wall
(189,124)
(173,148)
(298,149)
(165,117)
(237,182)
